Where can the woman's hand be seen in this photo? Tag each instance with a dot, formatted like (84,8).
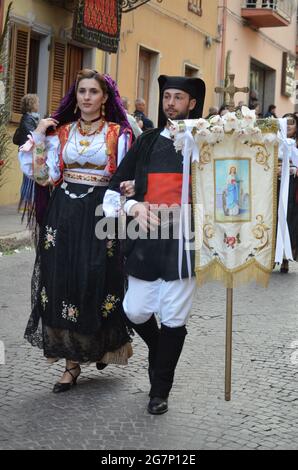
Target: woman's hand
(44,124)
(128,188)
(47,182)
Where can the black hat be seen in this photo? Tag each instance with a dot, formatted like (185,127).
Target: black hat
(194,86)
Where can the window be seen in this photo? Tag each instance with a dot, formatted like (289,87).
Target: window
(144,76)
(20,50)
(148,73)
(190,71)
(66,61)
(39,66)
(195,6)
(33,64)
(74,63)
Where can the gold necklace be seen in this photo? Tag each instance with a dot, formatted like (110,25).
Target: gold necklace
(84,143)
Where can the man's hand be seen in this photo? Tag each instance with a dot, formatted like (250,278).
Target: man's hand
(146,218)
(128,188)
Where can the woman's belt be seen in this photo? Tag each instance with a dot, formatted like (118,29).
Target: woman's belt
(85,178)
(89,166)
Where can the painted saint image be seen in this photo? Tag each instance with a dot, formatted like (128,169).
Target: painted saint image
(231,202)
(232,190)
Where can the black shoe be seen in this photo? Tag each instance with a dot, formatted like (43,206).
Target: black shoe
(284,267)
(101,365)
(64,387)
(157,406)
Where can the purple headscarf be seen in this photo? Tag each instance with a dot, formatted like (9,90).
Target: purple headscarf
(115,111)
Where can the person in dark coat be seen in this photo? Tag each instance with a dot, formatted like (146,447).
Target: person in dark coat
(33,198)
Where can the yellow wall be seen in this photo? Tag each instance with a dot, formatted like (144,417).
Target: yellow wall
(174,32)
(57,18)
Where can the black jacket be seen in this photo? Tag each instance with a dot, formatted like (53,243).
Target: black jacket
(28,124)
(134,165)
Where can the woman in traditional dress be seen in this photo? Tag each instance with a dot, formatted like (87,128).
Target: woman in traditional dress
(77,283)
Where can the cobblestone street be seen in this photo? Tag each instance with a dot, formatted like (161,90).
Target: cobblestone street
(107,410)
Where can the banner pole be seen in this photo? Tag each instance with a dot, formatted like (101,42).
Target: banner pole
(228,363)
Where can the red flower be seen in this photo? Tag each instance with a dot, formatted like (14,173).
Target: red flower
(2,162)
(1,68)
(230,241)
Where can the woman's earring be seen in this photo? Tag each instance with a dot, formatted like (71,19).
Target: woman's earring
(103,111)
(76,109)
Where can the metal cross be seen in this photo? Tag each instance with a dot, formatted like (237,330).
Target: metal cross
(231,90)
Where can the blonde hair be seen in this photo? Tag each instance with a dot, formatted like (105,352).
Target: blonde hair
(27,102)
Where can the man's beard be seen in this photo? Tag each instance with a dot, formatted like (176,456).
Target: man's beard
(179,117)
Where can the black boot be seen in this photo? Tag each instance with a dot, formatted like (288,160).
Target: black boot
(149,332)
(170,345)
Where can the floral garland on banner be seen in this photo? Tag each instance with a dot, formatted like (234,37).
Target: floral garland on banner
(242,124)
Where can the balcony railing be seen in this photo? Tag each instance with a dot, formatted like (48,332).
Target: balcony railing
(268,13)
(126,5)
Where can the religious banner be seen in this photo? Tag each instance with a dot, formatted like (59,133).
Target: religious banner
(97,23)
(234,181)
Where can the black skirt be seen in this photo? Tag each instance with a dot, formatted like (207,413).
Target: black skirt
(78,281)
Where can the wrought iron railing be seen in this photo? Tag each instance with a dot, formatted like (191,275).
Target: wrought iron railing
(126,5)
(284,8)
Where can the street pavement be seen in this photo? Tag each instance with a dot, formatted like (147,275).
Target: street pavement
(107,409)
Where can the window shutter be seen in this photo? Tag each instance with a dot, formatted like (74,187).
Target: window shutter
(58,73)
(20,47)
(74,63)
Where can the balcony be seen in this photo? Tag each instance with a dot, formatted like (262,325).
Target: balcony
(268,13)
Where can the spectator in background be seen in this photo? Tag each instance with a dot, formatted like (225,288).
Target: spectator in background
(139,113)
(30,118)
(256,106)
(136,126)
(213,111)
(33,198)
(224,109)
(271,113)
(253,98)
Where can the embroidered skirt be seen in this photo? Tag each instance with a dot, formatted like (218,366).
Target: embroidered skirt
(77,283)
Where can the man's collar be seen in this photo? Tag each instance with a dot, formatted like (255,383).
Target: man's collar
(166,133)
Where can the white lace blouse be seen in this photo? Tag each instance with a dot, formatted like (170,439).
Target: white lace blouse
(74,153)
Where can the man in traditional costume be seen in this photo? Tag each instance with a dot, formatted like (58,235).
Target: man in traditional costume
(155,282)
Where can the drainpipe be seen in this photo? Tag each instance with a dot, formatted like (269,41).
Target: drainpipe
(223,41)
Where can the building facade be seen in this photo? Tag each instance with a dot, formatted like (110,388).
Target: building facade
(258,45)
(173,37)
